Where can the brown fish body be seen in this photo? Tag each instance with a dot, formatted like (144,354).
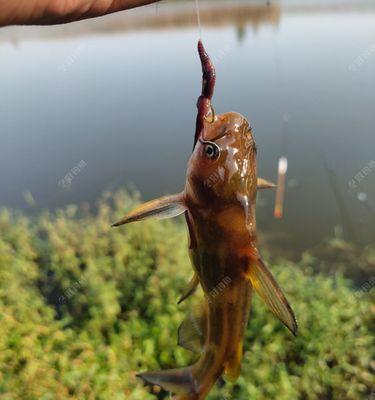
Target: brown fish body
(219,202)
(220,195)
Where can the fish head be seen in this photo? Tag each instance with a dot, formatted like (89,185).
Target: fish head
(222,167)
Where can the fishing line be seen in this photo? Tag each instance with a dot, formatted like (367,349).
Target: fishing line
(349,228)
(198,18)
(283,159)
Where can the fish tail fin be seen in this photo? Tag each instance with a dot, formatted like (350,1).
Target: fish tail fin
(195,382)
(178,381)
(189,383)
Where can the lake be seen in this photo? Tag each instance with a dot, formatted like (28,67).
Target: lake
(112,102)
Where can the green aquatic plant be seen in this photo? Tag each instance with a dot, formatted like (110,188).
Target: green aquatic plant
(84,306)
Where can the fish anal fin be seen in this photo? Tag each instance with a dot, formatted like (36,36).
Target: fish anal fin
(191,288)
(268,289)
(162,208)
(192,331)
(233,364)
(264,184)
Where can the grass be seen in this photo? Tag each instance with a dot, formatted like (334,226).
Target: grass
(83,307)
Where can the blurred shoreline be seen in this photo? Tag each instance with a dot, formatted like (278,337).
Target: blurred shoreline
(175,14)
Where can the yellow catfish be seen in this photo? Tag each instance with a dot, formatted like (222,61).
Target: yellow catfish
(219,202)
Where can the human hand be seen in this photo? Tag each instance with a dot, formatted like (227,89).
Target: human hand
(49,12)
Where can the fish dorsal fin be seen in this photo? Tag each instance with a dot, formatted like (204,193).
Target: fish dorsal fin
(268,289)
(162,208)
(192,331)
(191,288)
(264,184)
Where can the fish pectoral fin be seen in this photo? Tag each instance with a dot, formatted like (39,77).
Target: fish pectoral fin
(162,208)
(264,184)
(268,289)
(191,288)
(192,331)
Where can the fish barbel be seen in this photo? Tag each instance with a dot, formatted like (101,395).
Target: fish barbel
(219,202)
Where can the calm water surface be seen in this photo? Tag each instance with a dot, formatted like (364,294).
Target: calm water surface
(119,93)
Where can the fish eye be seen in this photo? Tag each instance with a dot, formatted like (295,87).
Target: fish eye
(212,150)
